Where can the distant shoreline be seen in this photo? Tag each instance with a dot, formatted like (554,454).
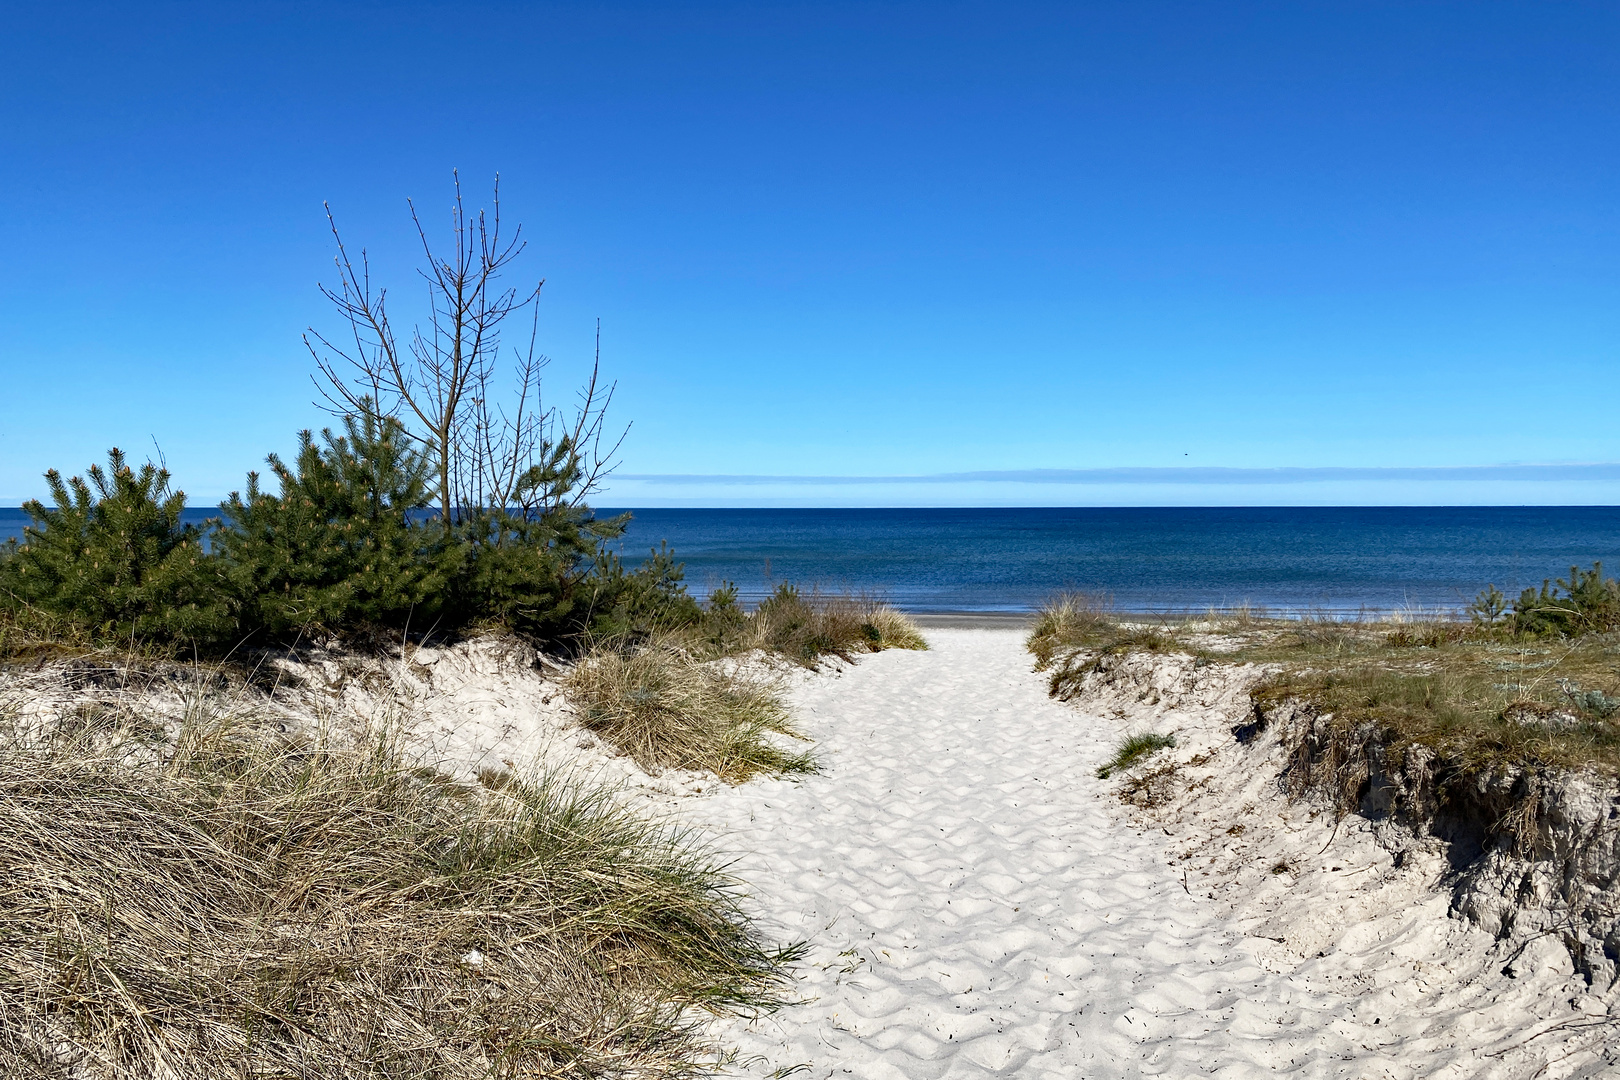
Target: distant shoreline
(1023,620)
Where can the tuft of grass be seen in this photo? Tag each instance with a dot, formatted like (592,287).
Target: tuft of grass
(1318,632)
(1074,633)
(664,707)
(331,908)
(804,627)
(31,633)
(886,628)
(1133,749)
(1067,622)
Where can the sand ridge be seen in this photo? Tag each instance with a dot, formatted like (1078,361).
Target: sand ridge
(976,902)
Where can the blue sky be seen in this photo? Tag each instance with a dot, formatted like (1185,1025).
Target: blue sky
(860,242)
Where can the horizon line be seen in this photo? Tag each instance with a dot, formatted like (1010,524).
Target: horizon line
(1169,475)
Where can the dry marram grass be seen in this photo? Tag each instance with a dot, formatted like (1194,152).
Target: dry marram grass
(226,904)
(1476,695)
(804,627)
(666,708)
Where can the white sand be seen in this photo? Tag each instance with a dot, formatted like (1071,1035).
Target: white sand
(976,902)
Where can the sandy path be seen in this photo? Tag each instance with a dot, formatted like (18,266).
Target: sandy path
(975,905)
(972,906)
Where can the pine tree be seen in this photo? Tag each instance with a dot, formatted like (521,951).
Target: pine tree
(114,559)
(346,543)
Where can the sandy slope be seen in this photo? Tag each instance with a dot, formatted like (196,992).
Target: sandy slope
(977,902)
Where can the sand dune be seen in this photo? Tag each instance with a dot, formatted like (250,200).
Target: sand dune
(977,902)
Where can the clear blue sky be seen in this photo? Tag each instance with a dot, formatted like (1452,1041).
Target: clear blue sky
(858,240)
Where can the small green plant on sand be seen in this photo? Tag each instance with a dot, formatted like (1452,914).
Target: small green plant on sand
(1134,748)
(1586,602)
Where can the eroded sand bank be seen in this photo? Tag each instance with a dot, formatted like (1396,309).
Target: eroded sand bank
(977,902)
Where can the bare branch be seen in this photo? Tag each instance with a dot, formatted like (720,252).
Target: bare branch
(489,455)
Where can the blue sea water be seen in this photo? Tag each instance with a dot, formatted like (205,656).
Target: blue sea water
(1339,559)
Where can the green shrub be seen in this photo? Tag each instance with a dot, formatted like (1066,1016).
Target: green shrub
(530,573)
(636,604)
(347,545)
(786,623)
(805,627)
(338,548)
(113,560)
(1584,603)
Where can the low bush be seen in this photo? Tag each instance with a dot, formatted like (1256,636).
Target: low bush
(321,910)
(346,546)
(723,624)
(1584,603)
(641,603)
(337,549)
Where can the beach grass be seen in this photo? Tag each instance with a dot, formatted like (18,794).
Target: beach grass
(227,901)
(30,633)
(804,627)
(1479,695)
(1480,704)
(1070,621)
(1134,749)
(666,707)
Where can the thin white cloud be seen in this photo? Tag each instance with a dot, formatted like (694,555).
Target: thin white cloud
(1597,471)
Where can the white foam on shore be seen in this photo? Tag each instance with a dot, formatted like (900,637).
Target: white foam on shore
(976,902)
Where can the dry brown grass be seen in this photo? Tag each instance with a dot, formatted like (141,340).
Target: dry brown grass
(685,698)
(226,904)
(28,633)
(1477,695)
(1068,622)
(806,627)
(667,708)
(1480,703)
(895,630)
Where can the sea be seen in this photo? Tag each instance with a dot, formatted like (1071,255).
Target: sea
(1286,560)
